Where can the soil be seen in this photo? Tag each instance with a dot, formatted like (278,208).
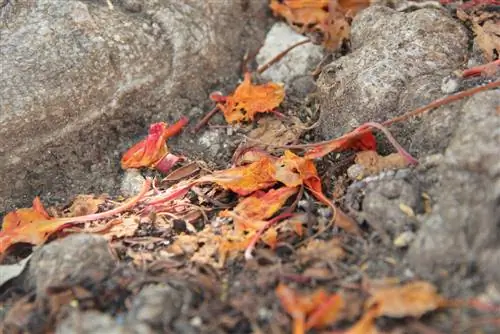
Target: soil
(447,207)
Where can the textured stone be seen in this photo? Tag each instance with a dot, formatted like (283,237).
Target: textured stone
(79,82)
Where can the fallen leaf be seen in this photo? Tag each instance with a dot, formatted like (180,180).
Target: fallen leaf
(326,20)
(366,325)
(315,310)
(321,249)
(365,141)
(372,163)
(151,151)
(123,227)
(410,300)
(249,99)
(30,225)
(85,205)
(245,180)
(10,271)
(262,205)
(488,38)
(272,131)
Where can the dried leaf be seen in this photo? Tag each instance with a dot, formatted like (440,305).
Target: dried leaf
(245,180)
(488,38)
(373,163)
(150,151)
(263,205)
(366,325)
(249,99)
(85,205)
(275,132)
(327,20)
(413,299)
(365,141)
(30,225)
(315,310)
(122,227)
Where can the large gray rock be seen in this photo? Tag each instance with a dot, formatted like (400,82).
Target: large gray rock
(78,81)
(71,258)
(397,64)
(463,229)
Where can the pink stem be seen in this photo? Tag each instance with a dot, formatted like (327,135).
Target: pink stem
(125,206)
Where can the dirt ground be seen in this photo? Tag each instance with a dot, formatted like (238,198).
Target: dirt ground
(436,221)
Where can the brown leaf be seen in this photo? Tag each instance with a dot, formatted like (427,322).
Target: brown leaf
(413,299)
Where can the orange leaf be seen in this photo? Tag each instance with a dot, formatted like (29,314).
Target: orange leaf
(249,99)
(245,180)
(319,308)
(262,205)
(366,141)
(366,325)
(29,225)
(151,150)
(326,313)
(413,299)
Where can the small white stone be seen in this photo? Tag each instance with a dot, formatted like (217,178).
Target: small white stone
(132,182)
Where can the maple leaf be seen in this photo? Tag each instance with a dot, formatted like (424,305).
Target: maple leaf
(249,99)
(151,151)
(30,225)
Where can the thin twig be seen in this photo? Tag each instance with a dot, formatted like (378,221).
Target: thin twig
(435,104)
(205,119)
(125,206)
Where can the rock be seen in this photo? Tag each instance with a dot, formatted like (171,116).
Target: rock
(385,202)
(73,257)
(132,182)
(160,305)
(463,227)
(296,63)
(96,322)
(397,64)
(133,6)
(81,82)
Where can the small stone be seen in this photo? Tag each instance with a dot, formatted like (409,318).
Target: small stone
(73,257)
(132,182)
(404,239)
(450,85)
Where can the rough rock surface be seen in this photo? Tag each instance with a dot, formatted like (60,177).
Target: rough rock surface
(296,63)
(397,63)
(95,322)
(72,257)
(463,227)
(160,305)
(80,80)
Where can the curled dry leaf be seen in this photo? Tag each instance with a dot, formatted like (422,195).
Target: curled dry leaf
(262,205)
(30,225)
(245,180)
(249,99)
(272,131)
(85,205)
(372,163)
(365,141)
(326,20)
(315,310)
(151,151)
